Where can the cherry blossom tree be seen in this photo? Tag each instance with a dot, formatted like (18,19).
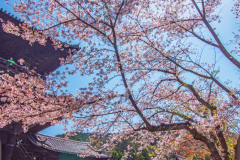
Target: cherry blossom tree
(24,99)
(165,91)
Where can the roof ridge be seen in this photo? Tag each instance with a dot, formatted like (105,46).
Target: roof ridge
(61,138)
(11,15)
(61,145)
(73,46)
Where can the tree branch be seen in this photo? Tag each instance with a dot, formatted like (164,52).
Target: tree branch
(166,127)
(215,36)
(211,146)
(125,82)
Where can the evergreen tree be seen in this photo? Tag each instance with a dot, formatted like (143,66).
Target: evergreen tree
(145,154)
(116,155)
(133,155)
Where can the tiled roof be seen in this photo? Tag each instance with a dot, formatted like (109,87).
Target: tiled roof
(13,68)
(64,146)
(44,58)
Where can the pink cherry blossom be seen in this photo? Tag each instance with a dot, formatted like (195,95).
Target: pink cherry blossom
(163,84)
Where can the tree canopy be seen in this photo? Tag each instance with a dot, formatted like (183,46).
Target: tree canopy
(154,67)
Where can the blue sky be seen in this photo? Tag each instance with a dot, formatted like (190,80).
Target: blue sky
(228,25)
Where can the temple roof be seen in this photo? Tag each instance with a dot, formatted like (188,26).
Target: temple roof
(44,58)
(63,145)
(12,68)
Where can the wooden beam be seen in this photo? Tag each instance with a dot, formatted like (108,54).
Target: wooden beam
(8,148)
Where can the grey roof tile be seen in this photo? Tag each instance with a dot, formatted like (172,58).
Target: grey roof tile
(63,145)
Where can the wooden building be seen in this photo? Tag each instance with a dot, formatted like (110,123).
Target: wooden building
(14,143)
(44,58)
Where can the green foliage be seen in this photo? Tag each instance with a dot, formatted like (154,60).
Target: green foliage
(207,157)
(196,158)
(122,146)
(116,155)
(133,155)
(142,156)
(145,153)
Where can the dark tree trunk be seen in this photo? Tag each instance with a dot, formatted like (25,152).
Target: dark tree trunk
(211,146)
(237,149)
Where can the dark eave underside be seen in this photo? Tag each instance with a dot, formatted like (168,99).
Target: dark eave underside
(44,58)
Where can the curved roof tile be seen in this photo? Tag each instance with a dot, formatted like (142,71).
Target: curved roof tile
(63,145)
